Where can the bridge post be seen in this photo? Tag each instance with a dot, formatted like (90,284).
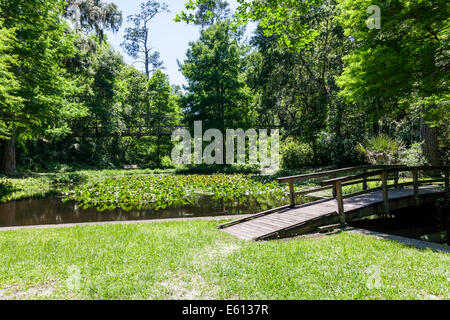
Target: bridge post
(396,179)
(447,180)
(416,186)
(340,203)
(364,180)
(385,191)
(292,194)
(334,188)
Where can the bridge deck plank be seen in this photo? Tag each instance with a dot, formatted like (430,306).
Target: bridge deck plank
(286,219)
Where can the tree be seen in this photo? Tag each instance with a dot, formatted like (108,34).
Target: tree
(8,83)
(10,103)
(137,37)
(208,13)
(216,92)
(402,65)
(150,104)
(133,94)
(298,91)
(163,109)
(94,15)
(40,44)
(276,17)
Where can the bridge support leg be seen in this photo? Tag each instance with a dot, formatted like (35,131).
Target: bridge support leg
(334,188)
(385,192)
(292,194)
(396,178)
(364,186)
(447,181)
(416,187)
(340,203)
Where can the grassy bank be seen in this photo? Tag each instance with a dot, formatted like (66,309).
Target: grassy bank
(193,260)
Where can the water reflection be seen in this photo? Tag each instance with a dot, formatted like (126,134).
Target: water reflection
(53,211)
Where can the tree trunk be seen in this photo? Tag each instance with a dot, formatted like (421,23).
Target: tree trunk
(9,155)
(431,144)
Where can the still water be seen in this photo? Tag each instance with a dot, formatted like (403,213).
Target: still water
(427,222)
(52,210)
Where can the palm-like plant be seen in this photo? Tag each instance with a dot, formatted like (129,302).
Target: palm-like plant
(381,150)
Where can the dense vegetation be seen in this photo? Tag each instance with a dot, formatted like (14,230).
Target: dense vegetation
(161,191)
(312,68)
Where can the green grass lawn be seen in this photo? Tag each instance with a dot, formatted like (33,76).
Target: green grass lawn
(193,260)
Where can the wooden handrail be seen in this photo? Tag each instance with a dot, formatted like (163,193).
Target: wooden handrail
(382,171)
(311,176)
(352,177)
(291,180)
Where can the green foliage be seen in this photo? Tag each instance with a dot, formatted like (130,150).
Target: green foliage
(166,163)
(296,155)
(159,192)
(9,100)
(41,185)
(216,90)
(208,13)
(277,17)
(203,169)
(403,63)
(41,43)
(298,91)
(381,150)
(70,98)
(413,156)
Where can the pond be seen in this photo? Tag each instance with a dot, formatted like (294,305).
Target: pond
(53,210)
(427,222)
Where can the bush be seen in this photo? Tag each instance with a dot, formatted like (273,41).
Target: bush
(216,168)
(381,150)
(296,155)
(338,151)
(166,163)
(324,149)
(413,157)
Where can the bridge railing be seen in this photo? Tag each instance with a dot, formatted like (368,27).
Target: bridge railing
(385,173)
(326,174)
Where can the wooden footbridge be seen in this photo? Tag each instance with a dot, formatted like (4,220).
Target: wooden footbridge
(335,212)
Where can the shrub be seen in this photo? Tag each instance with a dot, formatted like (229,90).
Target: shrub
(296,155)
(216,168)
(414,157)
(166,163)
(381,150)
(339,151)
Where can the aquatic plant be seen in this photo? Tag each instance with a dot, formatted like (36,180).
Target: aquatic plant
(162,191)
